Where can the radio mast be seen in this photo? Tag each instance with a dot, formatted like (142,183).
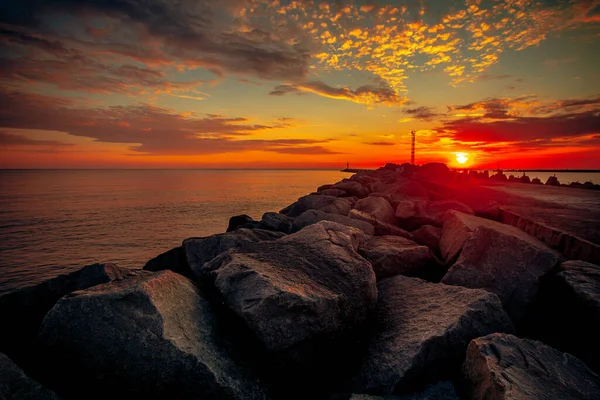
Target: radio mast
(412,149)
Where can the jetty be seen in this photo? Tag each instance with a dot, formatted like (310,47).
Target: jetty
(408,281)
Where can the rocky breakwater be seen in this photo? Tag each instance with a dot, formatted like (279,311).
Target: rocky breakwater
(386,285)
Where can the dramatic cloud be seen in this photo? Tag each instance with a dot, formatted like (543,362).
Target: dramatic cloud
(498,108)
(148,129)
(368,94)
(423,113)
(9,139)
(381,143)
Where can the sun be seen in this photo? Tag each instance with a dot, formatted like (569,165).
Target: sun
(462,158)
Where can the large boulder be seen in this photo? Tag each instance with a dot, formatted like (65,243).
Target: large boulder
(310,217)
(329,204)
(429,236)
(22,311)
(201,250)
(352,188)
(381,228)
(501,366)
(437,210)
(409,190)
(173,260)
(510,266)
(14,384)
(151,335)
(439,391)
(395,255)
(306,286)
(241,221)
(422,331)
(276,222)
(378,207)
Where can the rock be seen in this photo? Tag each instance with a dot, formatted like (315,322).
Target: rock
(508,265)
(173,260)
(567,304)
(151,335)
(381,228)
(14,384)
(434,170)
(276,222)
(410,190)
(395,255)
(306,286)
(324,187)
(286,210)
(332,192)
(422,331)
(378,207)
(201,250)
(501,366)
(313,216)
(241,221)
(406,209)
(439,391)
(352,188)
(386,196)
(22,311)
(429,236)
(437,210)
(329,204)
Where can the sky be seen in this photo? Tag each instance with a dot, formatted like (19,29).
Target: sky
(299,84)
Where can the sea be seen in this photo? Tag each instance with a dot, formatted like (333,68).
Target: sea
(56,221)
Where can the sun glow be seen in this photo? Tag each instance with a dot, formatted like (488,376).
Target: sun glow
(462,158)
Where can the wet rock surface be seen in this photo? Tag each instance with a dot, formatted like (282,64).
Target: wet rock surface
(501,366)
(150,335)
(422,332)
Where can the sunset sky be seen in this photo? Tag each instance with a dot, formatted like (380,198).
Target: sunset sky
(289,84)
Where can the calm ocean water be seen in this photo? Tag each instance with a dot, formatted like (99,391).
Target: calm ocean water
(56,221)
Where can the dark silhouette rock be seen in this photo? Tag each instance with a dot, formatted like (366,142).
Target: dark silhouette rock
(329,204)
(536,181)
(151,335)
(553,181)
(332,192)
(201,250)
(308,285)
(410,190)
(352,188)
(422,331)
(501,366)
(508,265)
(439,391)
(434,170)
(386,196)
(414,214)
(173,260)
(381,228)
(22,311)
(408,208)
(313,216)
(438,210)
(429,236)
(563,315)
(14,384)
(395,255)
(276,222)
(324,187)
(378,207)
(241,221)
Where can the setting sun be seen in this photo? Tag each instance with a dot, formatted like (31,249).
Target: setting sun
(462,157)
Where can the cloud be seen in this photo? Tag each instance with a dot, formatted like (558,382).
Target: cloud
(148,129)
(9,139)
(521,129)
(423,113)
(368,94)
(381,143)
(496,108)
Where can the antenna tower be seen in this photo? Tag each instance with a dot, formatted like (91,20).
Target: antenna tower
(412,149)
